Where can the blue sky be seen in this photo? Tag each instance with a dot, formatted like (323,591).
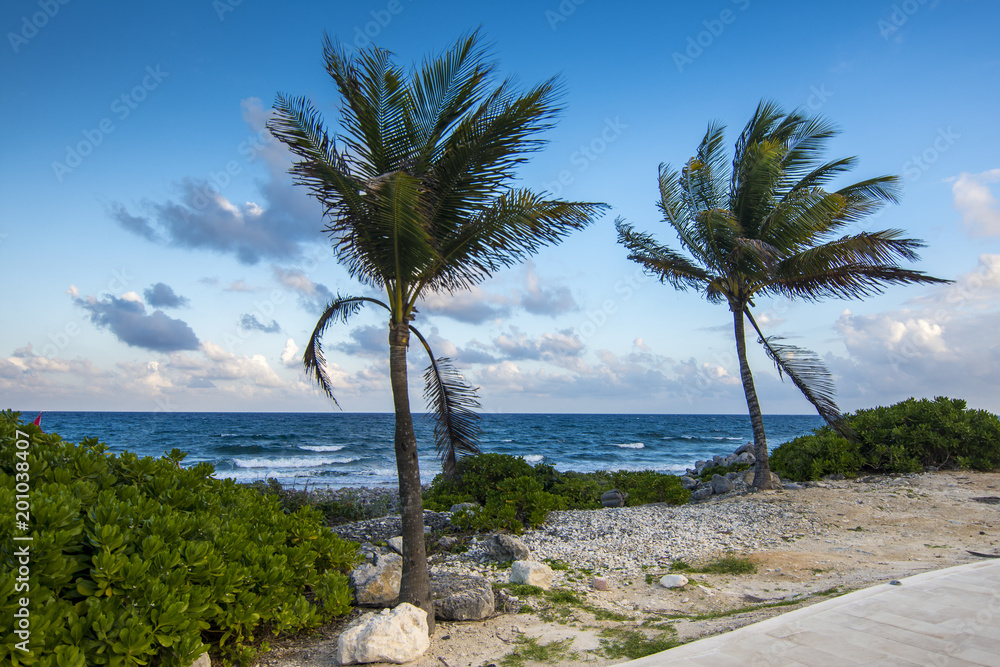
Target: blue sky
(155,255)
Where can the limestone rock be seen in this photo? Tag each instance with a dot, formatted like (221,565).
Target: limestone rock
(614,498)
(701,493)
(747,448)
(721,485)
(396,636)
(461,597)
(673,580)
(688,482)
(601,584)
(377,583)
(532,573)
(746,457)
(202,661)
(396,544)
(505,548)
(447,541)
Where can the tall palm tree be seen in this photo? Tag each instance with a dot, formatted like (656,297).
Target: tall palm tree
(764,227)
(417,194)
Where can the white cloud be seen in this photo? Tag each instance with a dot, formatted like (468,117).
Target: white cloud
(975,200)
(290,355)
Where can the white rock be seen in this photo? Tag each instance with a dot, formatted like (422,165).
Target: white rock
(396,544)
(202,661)
(673,580)
(531,572)
(395,636)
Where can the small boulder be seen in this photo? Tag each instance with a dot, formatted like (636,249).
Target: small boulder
(747,448)
(673,580)
(748,477)
(503,547)
(601,584)
(701,493)
(396,544)
(721,485)
(688,482)
(614,498)
(746,457)
(792,486)
(396,636)
(202,661)
(377,583)
(460,597)
(447,541)
(532,573)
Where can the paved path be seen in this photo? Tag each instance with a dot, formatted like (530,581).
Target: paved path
(945,617)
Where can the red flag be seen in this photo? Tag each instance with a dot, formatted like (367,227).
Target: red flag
(38,420)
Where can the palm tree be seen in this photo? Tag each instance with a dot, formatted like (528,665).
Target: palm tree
(417,194)
(766,227)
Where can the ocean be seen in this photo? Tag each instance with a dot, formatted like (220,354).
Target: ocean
(352,449)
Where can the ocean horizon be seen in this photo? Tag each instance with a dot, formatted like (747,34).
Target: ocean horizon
(352,449)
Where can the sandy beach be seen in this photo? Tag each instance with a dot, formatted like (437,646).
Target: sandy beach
(807,545)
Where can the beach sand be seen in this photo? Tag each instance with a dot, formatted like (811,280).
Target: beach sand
(842,535)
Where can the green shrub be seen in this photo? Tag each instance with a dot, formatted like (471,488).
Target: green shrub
(706,475)
(648,486)
(905,437)
(813,456)
(137,561)
(513,494)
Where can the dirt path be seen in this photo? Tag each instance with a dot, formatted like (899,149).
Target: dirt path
(853,534)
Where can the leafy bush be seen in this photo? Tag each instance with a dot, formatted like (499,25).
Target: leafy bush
(137,561)
(348,504)
(512,494)
(905,437)
(706,475)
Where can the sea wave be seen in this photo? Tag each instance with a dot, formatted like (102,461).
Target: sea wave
(533,458)
(322,448)
(293,462)
(630,445)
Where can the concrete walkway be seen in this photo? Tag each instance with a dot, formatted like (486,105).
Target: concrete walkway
(945,617)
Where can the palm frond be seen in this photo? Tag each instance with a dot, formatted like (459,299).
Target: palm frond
(515,226)
(340,309)
(851,267)
(669,266)
(453,402)
(807,372)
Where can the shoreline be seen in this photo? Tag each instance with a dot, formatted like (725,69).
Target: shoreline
(816,542)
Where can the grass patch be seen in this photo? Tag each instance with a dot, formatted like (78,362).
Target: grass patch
(521,590)
(607,615)
(557,564)
(562,596)
(632,644)
(724,565)
(529,649)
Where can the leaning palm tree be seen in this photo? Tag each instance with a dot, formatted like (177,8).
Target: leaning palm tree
(417,194)
(766,227)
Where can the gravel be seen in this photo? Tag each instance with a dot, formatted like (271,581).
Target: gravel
(623,540)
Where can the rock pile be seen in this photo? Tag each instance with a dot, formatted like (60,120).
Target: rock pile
(732,481)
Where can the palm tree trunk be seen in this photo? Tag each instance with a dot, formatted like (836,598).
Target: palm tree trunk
(762,469)
(415,587)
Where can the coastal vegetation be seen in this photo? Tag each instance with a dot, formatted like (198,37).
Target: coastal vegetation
(130,561)
(762,225)
(506,492)
(417,188)
(910,436)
